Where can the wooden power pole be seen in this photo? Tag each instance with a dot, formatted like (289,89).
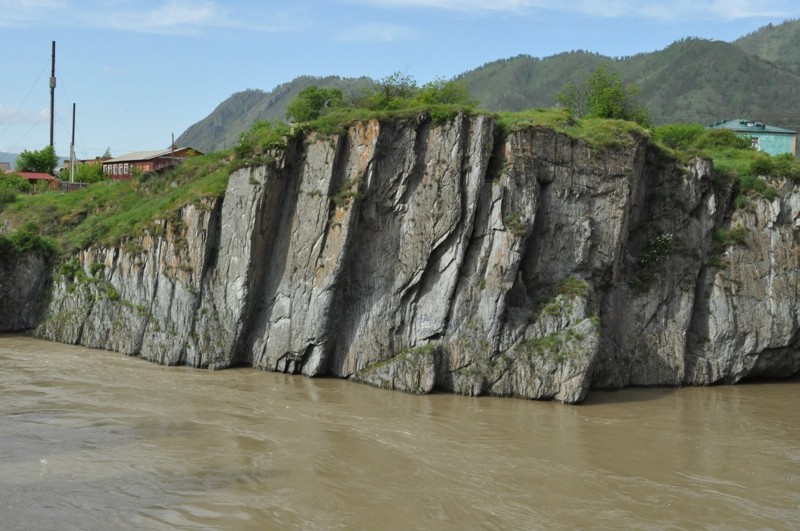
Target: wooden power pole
(52,93)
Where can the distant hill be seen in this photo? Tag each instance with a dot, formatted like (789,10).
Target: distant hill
(221,129)
(779,44)
(692,80)
(700,81)
(11,158)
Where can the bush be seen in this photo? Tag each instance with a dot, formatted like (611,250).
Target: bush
(786,165)
(393,92)
(678,136)
(721,138)
(441,92)
(399,91)
(603,95)
(312,102)
(762,165)
(7,196)
(12,181)
(260,139)
(26,241)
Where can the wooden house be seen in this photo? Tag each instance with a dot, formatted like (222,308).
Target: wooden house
(125,166)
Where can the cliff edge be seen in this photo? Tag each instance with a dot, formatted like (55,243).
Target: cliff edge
(417,255)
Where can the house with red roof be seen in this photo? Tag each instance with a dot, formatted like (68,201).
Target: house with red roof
(125,166)
(35,177)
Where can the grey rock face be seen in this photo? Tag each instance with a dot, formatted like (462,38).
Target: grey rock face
(24,280)
(416,256)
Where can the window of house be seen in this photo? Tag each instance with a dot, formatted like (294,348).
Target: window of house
(125,171)
(756,144)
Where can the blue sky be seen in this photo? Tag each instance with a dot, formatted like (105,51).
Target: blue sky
(140,70)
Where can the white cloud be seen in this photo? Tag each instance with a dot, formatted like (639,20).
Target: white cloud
(378,32)
(9,116)
(172,17)
(175,17)
(662,10)
(27,12)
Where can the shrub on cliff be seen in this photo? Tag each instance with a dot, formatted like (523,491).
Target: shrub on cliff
(603,95)
(396,92)
(312,102)
(682,137)
(27,240)
(255,144)
(400,91)
(10,186)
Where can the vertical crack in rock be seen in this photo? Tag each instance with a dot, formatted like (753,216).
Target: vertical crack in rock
(414,255)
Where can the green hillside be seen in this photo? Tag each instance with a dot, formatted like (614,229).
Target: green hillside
(693,80)
(237,114)
(525,82)
(779,44)
(697,80)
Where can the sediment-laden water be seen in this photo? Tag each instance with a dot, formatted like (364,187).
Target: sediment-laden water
(95,440)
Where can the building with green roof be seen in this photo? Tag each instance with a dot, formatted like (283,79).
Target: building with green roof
(766,138)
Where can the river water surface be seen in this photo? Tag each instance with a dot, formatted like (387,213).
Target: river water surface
(91,439)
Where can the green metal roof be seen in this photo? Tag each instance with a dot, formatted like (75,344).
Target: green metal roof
(750,126)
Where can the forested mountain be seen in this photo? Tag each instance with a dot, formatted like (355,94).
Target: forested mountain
(692,80)
(779,44)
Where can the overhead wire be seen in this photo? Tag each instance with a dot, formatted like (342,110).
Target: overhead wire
(16,112)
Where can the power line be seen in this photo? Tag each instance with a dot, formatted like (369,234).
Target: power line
(14,148)
(16,112)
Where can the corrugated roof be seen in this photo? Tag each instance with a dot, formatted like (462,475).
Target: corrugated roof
(35,175)
(750,126)
(140,155)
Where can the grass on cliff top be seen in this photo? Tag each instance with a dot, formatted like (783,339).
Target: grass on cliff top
(109,211)
(734,158)
(597,132)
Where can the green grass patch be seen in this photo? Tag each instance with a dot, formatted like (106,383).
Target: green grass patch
(572,286)
(597,132)
(110,211)
(727,237)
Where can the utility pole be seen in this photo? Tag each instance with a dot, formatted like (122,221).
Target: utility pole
(52,93)
(72,149)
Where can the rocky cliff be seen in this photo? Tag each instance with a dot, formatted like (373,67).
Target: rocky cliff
(24,281)
(416,256)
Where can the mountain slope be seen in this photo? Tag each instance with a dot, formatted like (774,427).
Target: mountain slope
(523,82)
(692,80)
(700,81)
(237,114)
(779,44)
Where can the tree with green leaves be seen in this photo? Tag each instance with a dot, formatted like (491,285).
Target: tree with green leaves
(390,93)
(42,161)
(312,101)
(440,91)
(603,95)
(86,172)
(400,91)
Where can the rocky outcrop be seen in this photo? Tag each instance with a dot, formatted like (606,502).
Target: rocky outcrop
(24,281)
(415,255)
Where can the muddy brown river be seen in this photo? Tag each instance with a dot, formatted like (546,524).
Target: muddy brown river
(95,440)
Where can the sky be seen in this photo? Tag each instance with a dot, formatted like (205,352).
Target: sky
(139,71)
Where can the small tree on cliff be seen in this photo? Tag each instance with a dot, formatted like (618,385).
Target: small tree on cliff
(603,95)
(312,101)
(42,161)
